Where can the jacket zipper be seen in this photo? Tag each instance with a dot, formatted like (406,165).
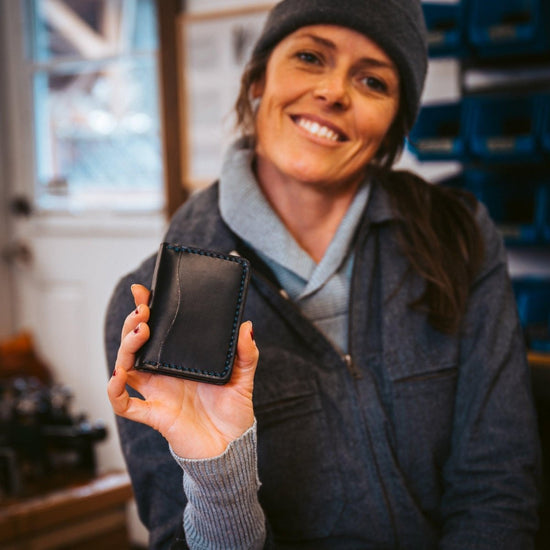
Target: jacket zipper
(353,369)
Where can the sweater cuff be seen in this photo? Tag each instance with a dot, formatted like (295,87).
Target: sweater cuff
(222,509)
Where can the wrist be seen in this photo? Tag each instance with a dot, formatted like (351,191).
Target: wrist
(188,457)
(200,450)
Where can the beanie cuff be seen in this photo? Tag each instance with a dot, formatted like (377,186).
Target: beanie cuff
(397,26)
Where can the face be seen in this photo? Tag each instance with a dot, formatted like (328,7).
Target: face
(327,101)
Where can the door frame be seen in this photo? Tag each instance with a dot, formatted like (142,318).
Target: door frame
(12,145)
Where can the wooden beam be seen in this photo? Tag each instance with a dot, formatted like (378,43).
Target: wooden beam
(68,23)
(111,24)
(171,107)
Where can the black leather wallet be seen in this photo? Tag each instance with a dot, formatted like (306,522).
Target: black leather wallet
(196,303)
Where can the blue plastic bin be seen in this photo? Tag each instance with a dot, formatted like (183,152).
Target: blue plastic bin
(544,106)
(508,27)
(533,303)
(446,29)
(518,205)
(505,128)
(440,132)
(511,204)
(544,211)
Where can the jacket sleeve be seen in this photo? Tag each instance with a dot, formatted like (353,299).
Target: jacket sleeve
(156,478)
(491,477)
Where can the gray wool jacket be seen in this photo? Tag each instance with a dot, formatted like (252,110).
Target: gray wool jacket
(422,441)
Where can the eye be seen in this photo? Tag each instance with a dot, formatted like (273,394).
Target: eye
(373,83)
(308,57)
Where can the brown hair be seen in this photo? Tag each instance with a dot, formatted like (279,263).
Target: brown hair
(441,239)
(437,231)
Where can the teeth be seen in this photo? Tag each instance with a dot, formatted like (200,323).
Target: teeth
(317,130)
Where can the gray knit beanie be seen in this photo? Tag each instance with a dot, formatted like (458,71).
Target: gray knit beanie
(397,26)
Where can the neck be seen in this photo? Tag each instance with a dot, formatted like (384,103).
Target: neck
(311,212)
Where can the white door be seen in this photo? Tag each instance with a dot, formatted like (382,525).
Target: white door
(80,150)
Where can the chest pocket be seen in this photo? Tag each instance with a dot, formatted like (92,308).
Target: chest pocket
(423,415)
(301,490)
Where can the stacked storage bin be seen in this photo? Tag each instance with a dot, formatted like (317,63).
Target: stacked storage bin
(533,299)
(505,128)
(485,128)
(518,205)
(499,132)
(446,29)
(508,27)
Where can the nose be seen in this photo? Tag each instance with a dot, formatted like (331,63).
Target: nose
(332,89)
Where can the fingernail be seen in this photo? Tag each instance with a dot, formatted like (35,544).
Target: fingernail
(114,372)
(251,332)
(136,330)
(137,310)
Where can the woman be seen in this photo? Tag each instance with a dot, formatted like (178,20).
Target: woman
(390,406)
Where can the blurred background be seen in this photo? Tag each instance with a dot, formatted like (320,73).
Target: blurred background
(111,113)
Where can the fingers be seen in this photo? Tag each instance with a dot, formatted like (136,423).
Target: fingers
(141,313)
(131,342)
(135,333)
(123,405)
(137,316)
(116,390)
(141,294)
(121,401)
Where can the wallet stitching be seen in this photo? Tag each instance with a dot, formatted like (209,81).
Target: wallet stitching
(244,266)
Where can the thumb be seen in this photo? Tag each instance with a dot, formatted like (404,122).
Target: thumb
(247,357)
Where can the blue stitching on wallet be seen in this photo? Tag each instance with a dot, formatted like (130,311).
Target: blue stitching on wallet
(227,364)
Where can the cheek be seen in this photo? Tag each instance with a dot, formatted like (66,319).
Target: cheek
(376,124)
(262,124)
(271,113)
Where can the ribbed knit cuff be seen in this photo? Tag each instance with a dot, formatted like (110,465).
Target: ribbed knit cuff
(223,511)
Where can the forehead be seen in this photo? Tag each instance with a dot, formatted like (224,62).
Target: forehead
(338,38)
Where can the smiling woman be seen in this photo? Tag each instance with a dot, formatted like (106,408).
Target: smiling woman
(326,79)
(382,399)
(327,101)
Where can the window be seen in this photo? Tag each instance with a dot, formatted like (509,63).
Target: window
(93,67)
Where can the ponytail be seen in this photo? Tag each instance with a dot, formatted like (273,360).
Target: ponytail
(440,237)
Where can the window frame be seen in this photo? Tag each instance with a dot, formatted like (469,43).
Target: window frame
(18,103)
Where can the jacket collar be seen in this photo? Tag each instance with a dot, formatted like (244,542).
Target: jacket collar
(198,222)
(379,209)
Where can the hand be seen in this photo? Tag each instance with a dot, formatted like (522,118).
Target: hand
(199,420)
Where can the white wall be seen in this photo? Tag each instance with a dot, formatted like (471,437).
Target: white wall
(60,297)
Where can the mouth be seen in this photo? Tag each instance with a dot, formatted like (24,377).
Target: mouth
(319,130)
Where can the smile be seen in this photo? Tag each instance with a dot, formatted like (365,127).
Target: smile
(318,130)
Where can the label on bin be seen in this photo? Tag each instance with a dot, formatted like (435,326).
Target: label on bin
(435,145)
(498,33)
(436,38)
(501,144)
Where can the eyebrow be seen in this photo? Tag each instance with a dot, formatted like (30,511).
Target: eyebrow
(369,61)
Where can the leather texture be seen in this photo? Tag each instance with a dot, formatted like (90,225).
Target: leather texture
(196,305)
